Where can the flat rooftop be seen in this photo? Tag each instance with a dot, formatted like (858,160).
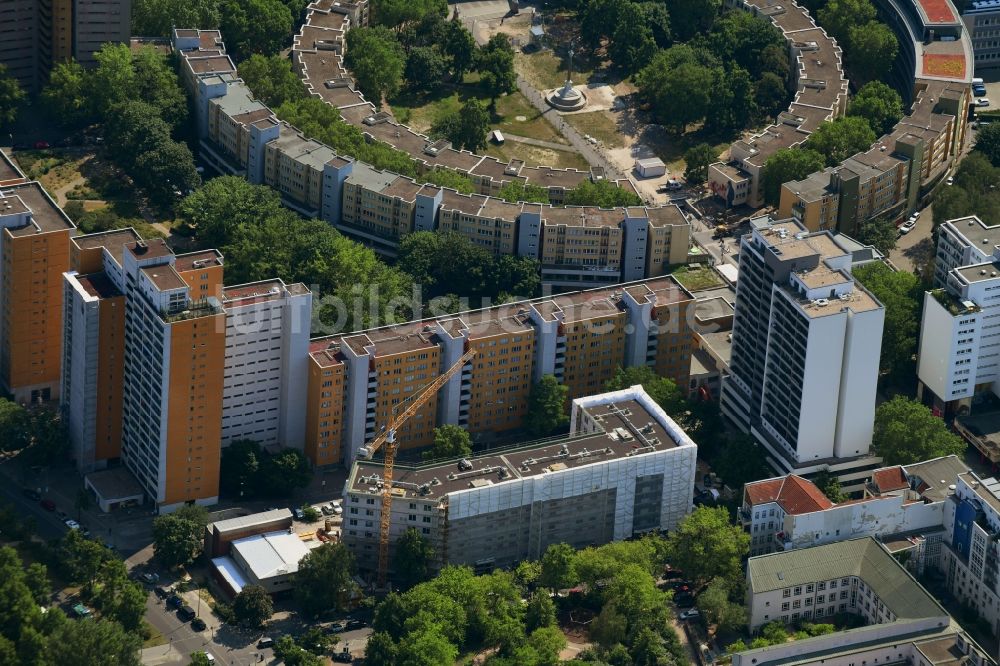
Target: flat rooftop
(197,260)
(98,285)
(272,554)
(46,216)
(164,277)
(155,248)
(628,430)
(8,170)
(113,241)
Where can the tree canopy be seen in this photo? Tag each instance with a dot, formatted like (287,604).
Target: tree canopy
(376,60)
(601,193)
(696,161)
(907,432)
(11,96)
(988,142)
(707,545)
(271,79)
(880,105)
(324,580)
(252,607)
(255,26)
(546,407)
(450,441)
(157,18)
(413,559)
(786,165)
(178,537)
(880,232)
(661,389)
(838,139)
(466,127)
(902,295)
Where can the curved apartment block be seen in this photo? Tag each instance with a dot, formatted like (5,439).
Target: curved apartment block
(934,70)
(576,246)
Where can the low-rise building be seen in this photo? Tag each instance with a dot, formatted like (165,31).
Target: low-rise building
(903,622)
(625,469)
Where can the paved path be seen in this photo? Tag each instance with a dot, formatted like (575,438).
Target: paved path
(552,145)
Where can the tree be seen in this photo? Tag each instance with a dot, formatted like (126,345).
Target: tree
(715,603)
(661,389)
(696,161)
(80,559)
(830,486)
(706,545)
(324,579)
(252,607)
(495,64)
(444,263)
(907,432)
(690,17)
(134,129)
(310,514)
(770,94)
(284,473)
(541,611)
(254,26)
(741,460)
(428,647)
(515,277)
(901,294)
(602,193)
(118,597)
(414,558)
(166,170)
(65,97)
(880,105)
(880,232)
(838,17)
(93,642)
(558,567)
(176,540)
(36,577)
(425,68)
(199,658)
(380,650)
(376,60)
(271,79)
(466,128)
(11,96)
(113,81)
(397,13)
(632,44)
(737,107)
(156,18)
(460,47)
(15,432)
(786,165)
(679,95)
(239,463)
(450,441)
(838,139)
(873,49)
(546,407)
(515,191)
(988,142)
(157,83)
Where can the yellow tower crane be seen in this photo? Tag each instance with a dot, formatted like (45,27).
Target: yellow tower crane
(387,438)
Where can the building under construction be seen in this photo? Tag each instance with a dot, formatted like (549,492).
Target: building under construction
(625,468)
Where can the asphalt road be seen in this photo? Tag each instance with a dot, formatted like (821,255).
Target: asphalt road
(48,524)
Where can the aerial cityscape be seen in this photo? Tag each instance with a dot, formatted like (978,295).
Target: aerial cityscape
(500,332)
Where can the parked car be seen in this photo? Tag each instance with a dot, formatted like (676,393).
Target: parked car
(343,657)
(337,510)
(48,505)
(690,614)
(81,611)
(950,181)
(150,578)
(198,624)
(354,623)
(161,592)
(299,514)
(186,613)
(336,628)
(174,601)
(33,495)
(41,145)
(265,643)
(908,226)
(983,101)
(72,524)
(684,600)
(327,509)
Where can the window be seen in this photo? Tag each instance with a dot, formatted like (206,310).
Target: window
(786,593)
(798,590)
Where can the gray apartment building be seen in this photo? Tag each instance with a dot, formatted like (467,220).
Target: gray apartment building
(625,469)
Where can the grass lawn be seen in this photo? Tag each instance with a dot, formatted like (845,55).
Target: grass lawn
(536,156)
(534,126)
(53,168)
(697,279)
(155,637)
(544,69)
(598,124)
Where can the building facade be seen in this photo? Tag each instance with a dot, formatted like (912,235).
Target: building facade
(902,506)
(957,362)
(805,350)
(625,469)
(36,34)
(581,338)
(34,252)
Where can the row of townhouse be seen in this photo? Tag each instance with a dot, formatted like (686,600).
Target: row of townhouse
(889,178)
(576,246)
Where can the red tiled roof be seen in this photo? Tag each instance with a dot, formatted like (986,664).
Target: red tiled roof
(890,478)
(794,494)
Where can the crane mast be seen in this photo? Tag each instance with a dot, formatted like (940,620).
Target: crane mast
(387,439)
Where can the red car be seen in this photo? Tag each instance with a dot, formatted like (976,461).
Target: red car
(48,505)
(41,145)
